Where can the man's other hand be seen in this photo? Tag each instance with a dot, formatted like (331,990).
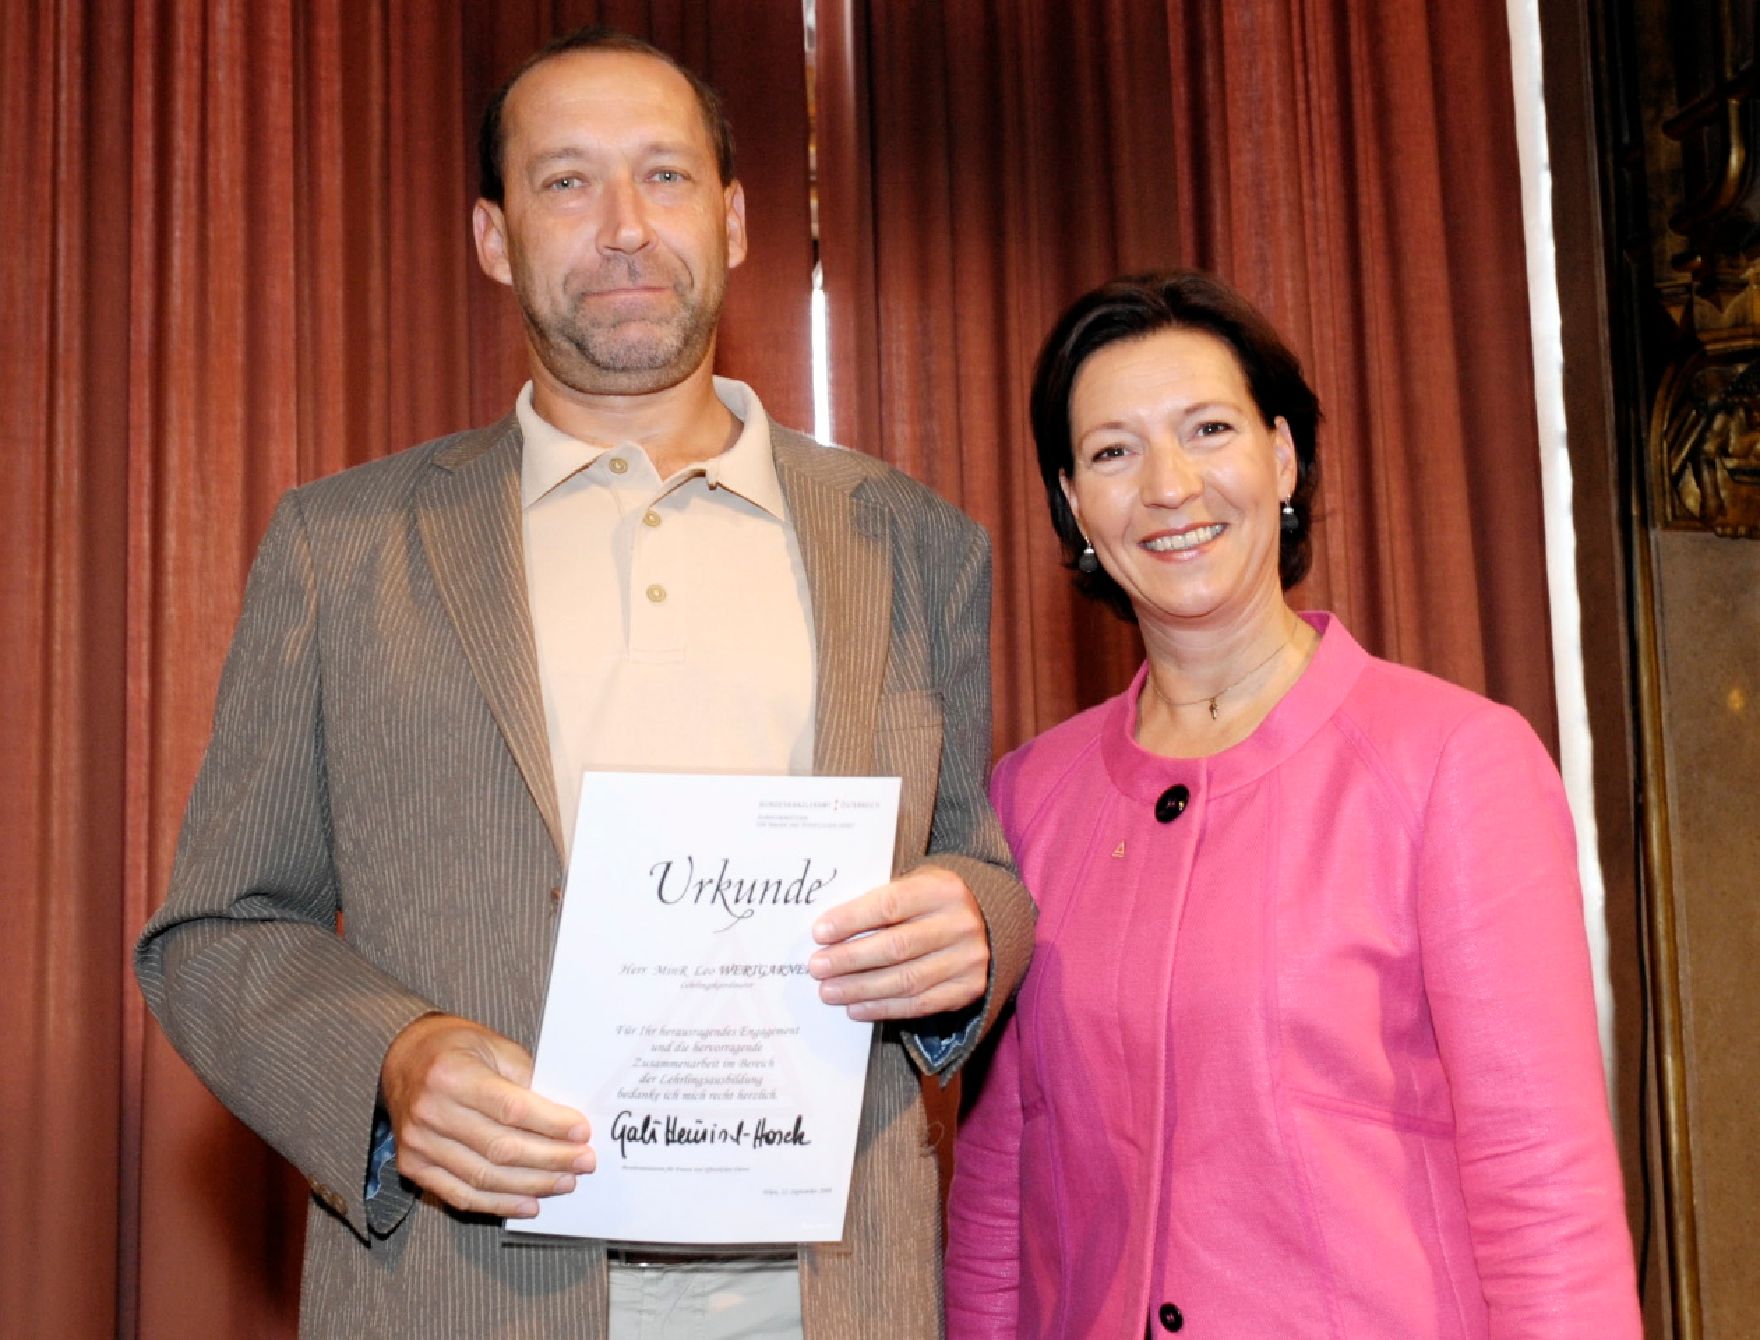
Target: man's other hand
(913,947)
(469,1129)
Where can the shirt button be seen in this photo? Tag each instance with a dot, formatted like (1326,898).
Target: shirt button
(657,593)
(618,465)
(1170,1317)
(650,518)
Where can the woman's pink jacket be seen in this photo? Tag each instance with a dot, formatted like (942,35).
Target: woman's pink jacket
(1315,1056)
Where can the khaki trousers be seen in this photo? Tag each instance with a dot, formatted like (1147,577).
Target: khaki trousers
(758,1300)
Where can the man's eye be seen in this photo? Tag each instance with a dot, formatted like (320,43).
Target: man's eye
(564,183)
(669,176)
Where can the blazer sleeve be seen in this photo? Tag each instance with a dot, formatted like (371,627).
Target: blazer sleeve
(243,964)
(1506,974)
(965,836)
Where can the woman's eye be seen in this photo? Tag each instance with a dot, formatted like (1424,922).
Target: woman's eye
(1112,451)
(1211,427)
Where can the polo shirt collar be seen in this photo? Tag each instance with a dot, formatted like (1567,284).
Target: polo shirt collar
(747,468)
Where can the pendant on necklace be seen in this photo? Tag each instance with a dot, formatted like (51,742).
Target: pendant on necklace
(1213,707)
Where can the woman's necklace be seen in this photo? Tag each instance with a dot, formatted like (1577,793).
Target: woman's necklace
(1155,688)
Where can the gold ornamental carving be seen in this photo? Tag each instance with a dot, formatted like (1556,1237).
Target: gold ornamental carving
(1705,173)
(1705,434)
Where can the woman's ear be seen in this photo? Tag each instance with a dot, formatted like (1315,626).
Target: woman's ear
(1069,496)
(1283,448)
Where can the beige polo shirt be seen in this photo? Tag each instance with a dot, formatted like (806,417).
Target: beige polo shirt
(672,617)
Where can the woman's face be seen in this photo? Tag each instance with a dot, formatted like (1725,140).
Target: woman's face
(1177,481)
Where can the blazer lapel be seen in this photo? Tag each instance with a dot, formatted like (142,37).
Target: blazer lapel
(846,550)
(468,512)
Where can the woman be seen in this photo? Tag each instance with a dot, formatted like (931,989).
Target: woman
(1308,1046)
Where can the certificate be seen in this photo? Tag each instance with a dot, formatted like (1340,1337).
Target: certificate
(724,1095)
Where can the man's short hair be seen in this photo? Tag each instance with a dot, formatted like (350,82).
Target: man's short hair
(492,137)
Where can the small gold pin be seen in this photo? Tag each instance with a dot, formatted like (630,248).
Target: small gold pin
(1118,852)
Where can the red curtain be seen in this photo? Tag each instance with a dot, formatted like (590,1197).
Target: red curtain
(240,259)
(65,1107)
(985,164)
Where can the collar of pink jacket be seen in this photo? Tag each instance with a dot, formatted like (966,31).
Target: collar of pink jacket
(1309,704)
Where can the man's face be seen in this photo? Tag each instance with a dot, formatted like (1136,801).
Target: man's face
(616,232)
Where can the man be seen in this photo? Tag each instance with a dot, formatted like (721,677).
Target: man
(634,569)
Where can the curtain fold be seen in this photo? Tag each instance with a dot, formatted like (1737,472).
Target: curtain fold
(982,170)
(62,1151)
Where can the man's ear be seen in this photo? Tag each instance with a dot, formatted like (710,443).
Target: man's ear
(735,198)
(489,227)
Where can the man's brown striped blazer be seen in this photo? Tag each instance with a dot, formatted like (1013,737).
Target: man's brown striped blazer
(379,753)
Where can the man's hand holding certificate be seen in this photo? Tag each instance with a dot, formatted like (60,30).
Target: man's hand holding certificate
(682,1019)
(915,947)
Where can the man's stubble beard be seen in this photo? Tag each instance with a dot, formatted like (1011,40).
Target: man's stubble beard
(624,356)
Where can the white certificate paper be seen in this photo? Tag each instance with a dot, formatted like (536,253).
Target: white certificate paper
(723,1094)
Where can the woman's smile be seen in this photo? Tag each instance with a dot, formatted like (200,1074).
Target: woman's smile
(1182,542)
